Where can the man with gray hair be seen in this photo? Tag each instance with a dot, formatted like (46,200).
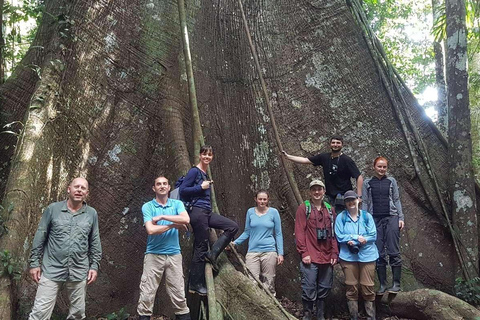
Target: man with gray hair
(66,251)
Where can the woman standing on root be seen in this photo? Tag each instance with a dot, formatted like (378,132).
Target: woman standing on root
(381,198)
(196,188)
(356,233)
(263,228)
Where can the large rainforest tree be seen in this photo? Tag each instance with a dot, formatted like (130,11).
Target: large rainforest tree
(110,102)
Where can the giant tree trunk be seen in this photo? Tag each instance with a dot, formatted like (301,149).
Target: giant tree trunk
(112,105)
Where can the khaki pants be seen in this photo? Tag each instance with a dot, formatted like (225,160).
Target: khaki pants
(154,266)
(362,273)
(262,265)
(47,295)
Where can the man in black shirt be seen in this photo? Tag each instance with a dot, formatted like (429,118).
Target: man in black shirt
(338,169)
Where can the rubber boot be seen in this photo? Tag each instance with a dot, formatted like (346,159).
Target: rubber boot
(144,318)
(217,248)
(196,280)
(382,278)
(185,316)
(370,310)
(353,309)
(396,275)
(307,309)
(320,309)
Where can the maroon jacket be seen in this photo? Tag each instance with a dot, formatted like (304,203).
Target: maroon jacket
(306,234)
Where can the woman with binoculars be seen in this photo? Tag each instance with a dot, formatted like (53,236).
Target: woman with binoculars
(356,234)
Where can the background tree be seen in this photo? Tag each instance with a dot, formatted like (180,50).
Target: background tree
(462,184)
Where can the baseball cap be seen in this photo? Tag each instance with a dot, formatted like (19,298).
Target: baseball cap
(317,182)
(350,195)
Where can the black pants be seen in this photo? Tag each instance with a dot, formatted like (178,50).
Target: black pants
(203,219)
(338,205)
(388,241)
(317,280)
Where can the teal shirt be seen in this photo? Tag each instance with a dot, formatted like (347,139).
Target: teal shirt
(167,242)
(264,232)
(67,244)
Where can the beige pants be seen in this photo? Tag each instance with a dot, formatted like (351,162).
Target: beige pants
(362,273)
(262,265)
(47,295)
(154,266)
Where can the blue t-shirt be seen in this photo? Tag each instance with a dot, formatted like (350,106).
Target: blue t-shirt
(167,242)
(264,232)
(346,229)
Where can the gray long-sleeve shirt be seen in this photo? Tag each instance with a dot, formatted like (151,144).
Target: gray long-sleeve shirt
(69,243)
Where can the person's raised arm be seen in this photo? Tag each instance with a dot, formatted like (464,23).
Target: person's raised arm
(302,160)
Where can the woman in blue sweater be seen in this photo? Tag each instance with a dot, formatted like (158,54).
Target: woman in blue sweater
(356,234)
(263,229)
(196,188)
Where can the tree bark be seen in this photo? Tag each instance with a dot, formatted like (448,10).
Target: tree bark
(462,184)
(2,46)
(426,304)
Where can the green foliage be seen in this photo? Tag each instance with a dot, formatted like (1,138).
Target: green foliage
(468,291)
(18,36)
(121,315)
(403,28)
(10,267)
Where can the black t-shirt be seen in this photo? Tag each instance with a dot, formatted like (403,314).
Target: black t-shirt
(337,172)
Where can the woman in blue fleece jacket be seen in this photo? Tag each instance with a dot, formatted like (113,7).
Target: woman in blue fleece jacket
(263,229)
(196,188)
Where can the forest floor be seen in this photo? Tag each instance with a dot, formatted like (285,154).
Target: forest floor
(295,308)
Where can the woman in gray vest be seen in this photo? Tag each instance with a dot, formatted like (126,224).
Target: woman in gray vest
(381,199)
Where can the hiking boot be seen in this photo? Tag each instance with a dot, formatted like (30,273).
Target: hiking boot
(217,248)
(396,275)
(307,310)
(185,316)
(382,278)
(320,309)
(144,318)
(196,280)
(370,310)
(353,309)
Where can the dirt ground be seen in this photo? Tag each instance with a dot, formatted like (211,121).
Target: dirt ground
(295,308)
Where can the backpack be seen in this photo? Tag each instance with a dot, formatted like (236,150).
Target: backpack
(175,193)
(308,211)
(361,216)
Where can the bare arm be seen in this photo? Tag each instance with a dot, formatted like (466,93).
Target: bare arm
(181,218)
(154,229)
(296,159)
